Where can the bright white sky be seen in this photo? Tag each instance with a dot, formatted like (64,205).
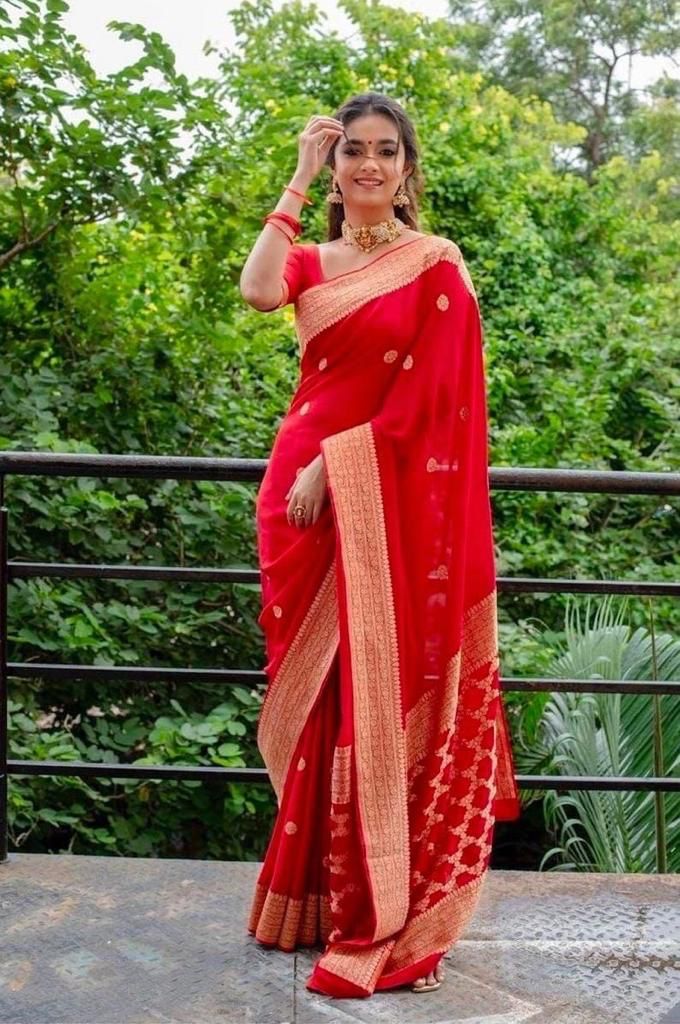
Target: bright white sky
(187,26)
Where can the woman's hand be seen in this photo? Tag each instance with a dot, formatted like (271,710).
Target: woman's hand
(314,143)
(309,490)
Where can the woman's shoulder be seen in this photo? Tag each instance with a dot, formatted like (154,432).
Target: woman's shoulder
(442,248)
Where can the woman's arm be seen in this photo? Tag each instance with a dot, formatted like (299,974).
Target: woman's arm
(261,283)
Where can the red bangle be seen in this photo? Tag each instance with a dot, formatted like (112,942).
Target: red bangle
(300,194)
(278,227)
(288,219)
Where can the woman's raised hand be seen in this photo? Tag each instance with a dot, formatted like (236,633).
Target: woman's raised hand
(314,142)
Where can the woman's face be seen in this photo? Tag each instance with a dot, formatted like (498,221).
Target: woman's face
(370,148)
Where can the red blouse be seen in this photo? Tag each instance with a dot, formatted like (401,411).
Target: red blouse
(302,269)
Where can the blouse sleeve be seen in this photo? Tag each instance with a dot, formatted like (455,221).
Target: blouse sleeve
(294,271)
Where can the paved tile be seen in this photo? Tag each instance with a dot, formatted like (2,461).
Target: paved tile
(98,940)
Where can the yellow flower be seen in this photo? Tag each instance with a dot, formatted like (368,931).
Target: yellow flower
(444,126)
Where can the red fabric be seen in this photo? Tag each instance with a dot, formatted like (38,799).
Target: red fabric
(302,269)
(382,726)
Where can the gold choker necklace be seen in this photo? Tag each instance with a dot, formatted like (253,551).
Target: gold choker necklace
(367,236)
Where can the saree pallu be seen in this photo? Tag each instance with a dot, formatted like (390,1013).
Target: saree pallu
(382,725)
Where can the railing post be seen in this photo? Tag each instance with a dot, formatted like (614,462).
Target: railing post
(4,582)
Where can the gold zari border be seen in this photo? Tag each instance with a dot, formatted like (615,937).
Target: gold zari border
(278,919)
(479,647)
(354,480)
(340,775)
(293,691)
(324,304)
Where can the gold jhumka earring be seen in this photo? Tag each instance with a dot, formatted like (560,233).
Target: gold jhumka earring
(400,197)
(335,195)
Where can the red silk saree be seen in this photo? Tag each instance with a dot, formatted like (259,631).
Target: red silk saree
(382,725)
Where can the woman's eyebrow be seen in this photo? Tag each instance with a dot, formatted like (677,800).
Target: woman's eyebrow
(380,141)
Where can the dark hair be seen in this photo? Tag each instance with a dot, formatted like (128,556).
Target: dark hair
(377,103)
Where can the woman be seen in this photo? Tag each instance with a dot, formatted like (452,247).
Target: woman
(382,727)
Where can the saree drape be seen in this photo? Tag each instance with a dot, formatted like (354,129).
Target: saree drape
(382,726)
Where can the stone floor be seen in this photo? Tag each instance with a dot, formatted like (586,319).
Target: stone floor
(93,940)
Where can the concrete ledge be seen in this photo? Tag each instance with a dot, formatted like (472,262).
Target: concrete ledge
(98,940)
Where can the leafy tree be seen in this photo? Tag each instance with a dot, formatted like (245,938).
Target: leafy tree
(571,54)
(123,330)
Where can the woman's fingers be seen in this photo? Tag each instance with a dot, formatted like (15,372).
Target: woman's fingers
(331,122)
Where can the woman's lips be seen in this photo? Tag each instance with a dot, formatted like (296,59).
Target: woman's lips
(368,182)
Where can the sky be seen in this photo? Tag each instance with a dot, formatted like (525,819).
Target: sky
(187,26)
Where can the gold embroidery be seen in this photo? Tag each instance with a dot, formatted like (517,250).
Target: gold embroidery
(480,634)
(432,465)
(323,363)
(440,573)
(380,753)
(278,919)
(290,828)
(278,612)
(291,694)
(340,776)
(443,301)
(390,355)
(302,764)
(464,412)
(362,967)
(433,711)
(326,303)
(423,721)
(408,362)
(437,929)
(304,408)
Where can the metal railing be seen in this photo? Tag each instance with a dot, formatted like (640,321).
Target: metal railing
(231,469)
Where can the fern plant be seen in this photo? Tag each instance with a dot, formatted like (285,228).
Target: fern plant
(610,734)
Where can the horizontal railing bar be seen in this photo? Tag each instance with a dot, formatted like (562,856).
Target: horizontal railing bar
(170,573)
(83,769)
(163,467)
(180,574)
(154,673)
(584,481)
(513,684)
(527,585)
(525,478)
(257,677)
(562,783)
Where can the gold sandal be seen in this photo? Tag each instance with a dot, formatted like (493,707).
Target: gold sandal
(428,988)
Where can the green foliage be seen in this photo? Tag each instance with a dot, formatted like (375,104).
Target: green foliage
(576,56)
(126,213)
(608,735)
(139,817)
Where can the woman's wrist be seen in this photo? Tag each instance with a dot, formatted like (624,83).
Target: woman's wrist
(300,182)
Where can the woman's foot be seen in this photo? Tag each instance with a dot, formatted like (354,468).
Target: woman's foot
(429,982)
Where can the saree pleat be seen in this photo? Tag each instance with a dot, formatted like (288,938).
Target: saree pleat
(382,727)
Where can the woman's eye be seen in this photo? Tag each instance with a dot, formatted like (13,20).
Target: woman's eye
(386,152)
